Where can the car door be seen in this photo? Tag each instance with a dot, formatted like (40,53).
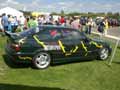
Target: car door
(49,42)
(90,47)
(76,44)
(71,43)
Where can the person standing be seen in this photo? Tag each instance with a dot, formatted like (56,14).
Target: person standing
(1,27)
(62,20)
(32,22)
(67,22)
(101,26)
(26,23)
(9,23)
(76,23)
(4,22)
(21,21)
(89,25)
(14,23)
(106,26)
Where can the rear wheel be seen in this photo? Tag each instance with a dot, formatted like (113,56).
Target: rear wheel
(41,60)
(103,54)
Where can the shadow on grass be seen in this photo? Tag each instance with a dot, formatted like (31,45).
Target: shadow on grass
(72,62)
(117,62)
(118,47)
(23,87)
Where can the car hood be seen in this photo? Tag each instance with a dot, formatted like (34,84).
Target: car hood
(99,41)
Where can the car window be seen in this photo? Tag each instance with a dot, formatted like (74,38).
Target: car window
(50,34)
(55,34)
(72,34)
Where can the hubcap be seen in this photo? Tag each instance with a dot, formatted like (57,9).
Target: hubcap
(42,60)
(104,54)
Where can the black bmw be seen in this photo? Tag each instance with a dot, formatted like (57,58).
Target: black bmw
(44,45)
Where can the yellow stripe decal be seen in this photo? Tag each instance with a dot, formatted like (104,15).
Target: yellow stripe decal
(62,47)
(86,54)
(99,46)
(76,48)
(67,54)
(39,42)
(20,57)
(85,48)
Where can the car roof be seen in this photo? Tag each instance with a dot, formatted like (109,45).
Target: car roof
(55,26)
(41,28)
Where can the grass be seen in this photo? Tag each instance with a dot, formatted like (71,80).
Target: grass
(92,75)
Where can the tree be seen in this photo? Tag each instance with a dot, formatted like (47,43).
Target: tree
(62,13)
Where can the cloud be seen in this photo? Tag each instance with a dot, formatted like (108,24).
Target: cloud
(66,5)
(12,2)
(97,7)
(61,3)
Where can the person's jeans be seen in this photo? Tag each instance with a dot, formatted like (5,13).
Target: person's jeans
(5,28)
(89,30)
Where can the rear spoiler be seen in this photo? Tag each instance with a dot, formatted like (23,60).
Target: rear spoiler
(7,33)
(11,35)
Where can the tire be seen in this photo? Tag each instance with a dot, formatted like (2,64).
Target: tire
(103,54)
(41,60)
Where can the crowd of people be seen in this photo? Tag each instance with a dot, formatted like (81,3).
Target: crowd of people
(17,24)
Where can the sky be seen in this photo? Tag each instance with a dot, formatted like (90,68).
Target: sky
(66,5)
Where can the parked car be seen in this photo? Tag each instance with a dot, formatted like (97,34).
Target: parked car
(45,45)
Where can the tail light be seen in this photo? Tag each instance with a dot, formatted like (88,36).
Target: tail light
(16,47)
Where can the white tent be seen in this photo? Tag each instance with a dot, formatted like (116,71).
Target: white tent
(11,11)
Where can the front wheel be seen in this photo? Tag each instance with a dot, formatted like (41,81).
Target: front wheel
(41,60)
(103,54)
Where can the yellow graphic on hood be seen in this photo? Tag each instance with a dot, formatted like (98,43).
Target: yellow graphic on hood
(96,44)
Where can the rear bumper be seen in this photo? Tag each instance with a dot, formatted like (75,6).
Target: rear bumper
(18,57)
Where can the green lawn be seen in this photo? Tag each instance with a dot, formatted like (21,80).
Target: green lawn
(92,75)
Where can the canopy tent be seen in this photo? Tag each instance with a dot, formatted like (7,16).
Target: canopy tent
(35,13)
(11,11)
(39,13)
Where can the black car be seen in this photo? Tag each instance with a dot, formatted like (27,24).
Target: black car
(44,45)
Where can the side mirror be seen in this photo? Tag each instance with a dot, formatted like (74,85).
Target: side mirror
(87,39)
